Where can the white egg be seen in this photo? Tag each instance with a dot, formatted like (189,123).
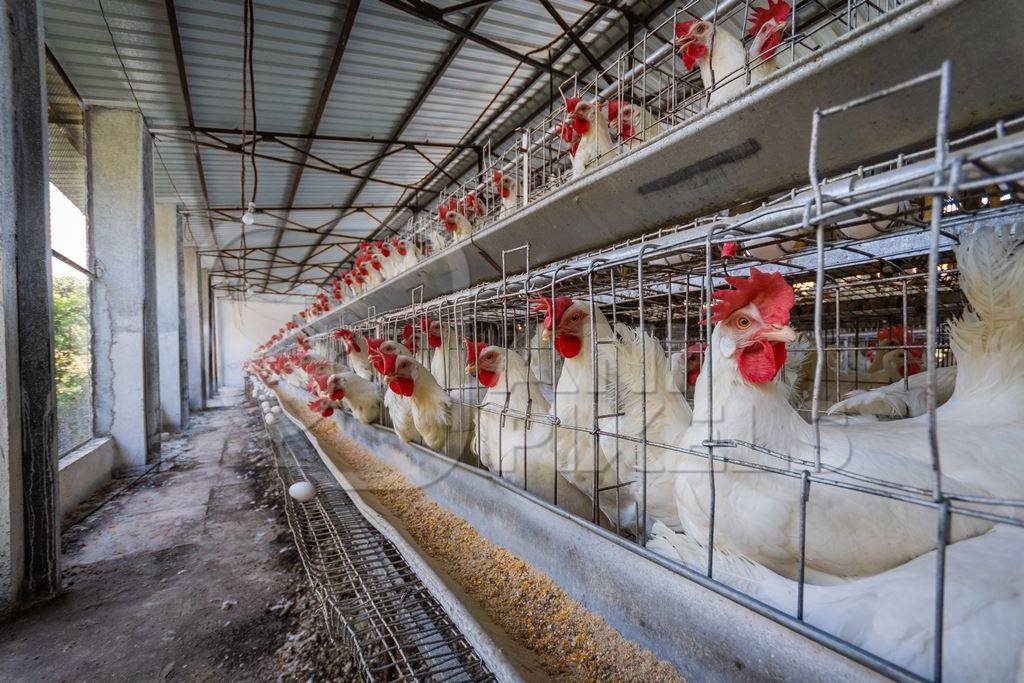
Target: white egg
(276,409)
(265,405)
(269,417)
(165,436)
(302,491)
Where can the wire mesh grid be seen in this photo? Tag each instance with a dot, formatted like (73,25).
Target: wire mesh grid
(644,93)
(371,599)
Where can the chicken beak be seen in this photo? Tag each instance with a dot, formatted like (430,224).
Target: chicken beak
(784,334)
(546,334)
(471,368)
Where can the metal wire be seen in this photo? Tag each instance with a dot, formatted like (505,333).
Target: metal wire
(881,252)
(372,601)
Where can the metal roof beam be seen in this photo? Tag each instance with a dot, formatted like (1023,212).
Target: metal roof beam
(567,30)
(469,4)
(321,105)
(410,203)
(273,135)
(172,20)
(294,207)
(435,15)
(479,129)
(421,96)
(336,170)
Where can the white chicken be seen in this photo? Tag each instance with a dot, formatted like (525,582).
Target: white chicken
(456,215)
(848,535)
(398,408)
(406,254)
(586,132)
(360,396)
(569,323)
(358,349)
(429,405)
(892,614)
(545,364)
(508,190)
(720,56)
(899,399)
(509,446)
(632,123)
(654,394)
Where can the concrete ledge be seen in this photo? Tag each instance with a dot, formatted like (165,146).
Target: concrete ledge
(665,607)
(84,471)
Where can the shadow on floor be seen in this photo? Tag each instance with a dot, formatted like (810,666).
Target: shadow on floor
(182,577)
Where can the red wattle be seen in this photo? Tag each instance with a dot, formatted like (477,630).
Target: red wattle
(434,341)
(337,394)
(403,386)
(327,412)
(580,126)
(569,346)
(487,378)
(761,361)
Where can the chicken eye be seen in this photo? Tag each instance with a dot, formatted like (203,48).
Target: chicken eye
(743,323)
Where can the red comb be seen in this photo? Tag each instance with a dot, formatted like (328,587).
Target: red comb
(571,103)
(473,350)
(552,308)
(384,362)
(777,10)
(683,28)
(768,291)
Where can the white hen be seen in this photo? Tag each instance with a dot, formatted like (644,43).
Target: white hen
(509,446)
(569,323)
(892,614)
(848,535)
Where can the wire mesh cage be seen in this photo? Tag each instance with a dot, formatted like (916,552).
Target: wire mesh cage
(649,89)
(605,385)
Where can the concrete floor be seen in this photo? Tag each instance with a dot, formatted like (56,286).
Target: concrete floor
(175,579)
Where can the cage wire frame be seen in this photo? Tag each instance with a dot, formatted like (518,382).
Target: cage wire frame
(371,599)
(682,272)
(648,77)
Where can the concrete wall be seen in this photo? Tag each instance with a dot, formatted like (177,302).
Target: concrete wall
(84,470)
(169,318)
(241,327)
(124,310)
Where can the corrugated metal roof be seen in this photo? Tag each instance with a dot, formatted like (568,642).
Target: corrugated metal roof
(389,58)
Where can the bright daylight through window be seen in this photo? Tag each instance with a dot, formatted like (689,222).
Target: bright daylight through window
(73,334)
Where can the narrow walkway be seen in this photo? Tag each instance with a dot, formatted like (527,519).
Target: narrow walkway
(176,579)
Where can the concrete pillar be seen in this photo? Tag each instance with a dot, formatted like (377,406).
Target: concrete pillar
(29,522)
(125,350)
(193,329)
(207,339)
(170,318)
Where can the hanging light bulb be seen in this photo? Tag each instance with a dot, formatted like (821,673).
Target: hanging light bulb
(249,217)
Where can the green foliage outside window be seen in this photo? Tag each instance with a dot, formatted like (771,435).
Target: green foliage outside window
(74,361)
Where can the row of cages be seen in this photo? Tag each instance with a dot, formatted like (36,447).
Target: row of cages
(774,398)
(658,85)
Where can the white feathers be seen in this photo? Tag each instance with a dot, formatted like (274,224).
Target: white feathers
(891,614)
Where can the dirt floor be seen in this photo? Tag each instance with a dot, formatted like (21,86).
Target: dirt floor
(570,642)
(191,574)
